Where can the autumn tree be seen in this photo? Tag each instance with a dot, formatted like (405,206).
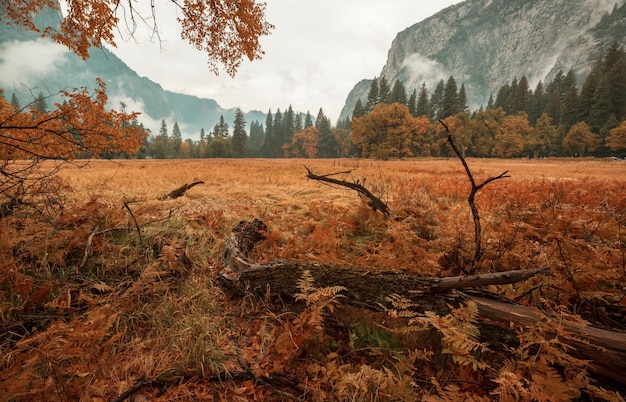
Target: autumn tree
(580,140)
(509,141)
(81,124)
(542,139)
(388,131)
(303,144)
(616,141)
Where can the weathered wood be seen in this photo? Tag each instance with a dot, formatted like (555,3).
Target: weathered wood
(180,191)
(374,202)
(606,350)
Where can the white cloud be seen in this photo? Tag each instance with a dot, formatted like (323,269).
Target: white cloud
(26,63)
(422,69)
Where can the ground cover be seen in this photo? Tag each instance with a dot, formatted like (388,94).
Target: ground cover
(91,305)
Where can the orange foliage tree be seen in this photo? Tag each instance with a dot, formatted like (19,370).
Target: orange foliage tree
(303,144)
(616,141)
(388,131)
(81,124)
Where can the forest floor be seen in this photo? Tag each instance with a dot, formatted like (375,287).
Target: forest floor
(109,290)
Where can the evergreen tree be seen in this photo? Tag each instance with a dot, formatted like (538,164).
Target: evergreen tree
(398,94)
(298,123)
(289,125)
(462,99)
(269,134)
(359,110)
(308,120)
(554,97)
(502,98)
(15,102)
(238,142)
(520,97)
(255,140)
(412,103)
(176,141)
(373,98)
(327,144)
(40,103)
(279,128)
(490,103)
(384,90)
(159,144)
(422,108)
(537,104)
(450,104)
(569,110)
(221,129)
(436,102)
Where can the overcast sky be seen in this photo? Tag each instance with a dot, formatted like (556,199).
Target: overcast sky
(317,52)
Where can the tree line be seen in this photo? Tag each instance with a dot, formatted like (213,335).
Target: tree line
(554,119)
(557,119)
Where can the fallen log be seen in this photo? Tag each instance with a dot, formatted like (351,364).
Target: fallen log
(606,350)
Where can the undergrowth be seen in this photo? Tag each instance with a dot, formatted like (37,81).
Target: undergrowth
(90,306)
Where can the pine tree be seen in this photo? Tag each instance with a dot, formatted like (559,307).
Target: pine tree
(176,141)
(490,103)
(221,129)
(238,142)
(269,134)
(570,109)
(450,104)
(398,94)
(537,104)
(436,102)
(521,96)
(279,128)
(412,103)
(422,107)
(327,145)
(40,103)
(462,99)
(359,110)
(308,120)
(15,102)
(373,98)
(383,90)
(255,140)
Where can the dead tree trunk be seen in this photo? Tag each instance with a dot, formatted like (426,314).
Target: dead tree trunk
(371,290)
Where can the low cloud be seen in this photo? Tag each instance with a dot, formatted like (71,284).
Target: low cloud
(26,63)
(419,69)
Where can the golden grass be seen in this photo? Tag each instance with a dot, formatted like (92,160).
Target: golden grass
(141,310)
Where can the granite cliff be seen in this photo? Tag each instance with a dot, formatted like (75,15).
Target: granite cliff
(486,43)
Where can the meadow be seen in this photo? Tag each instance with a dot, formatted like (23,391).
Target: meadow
(111,284)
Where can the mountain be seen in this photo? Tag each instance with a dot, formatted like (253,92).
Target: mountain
(30,65)
(487,43)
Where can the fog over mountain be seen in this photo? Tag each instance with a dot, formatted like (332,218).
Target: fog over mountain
(486,43)
(30,65)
